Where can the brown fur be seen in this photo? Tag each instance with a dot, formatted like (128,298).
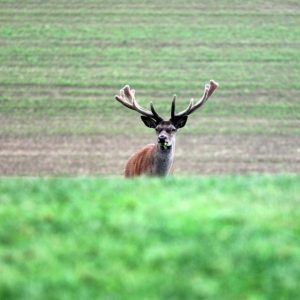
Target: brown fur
(140,162)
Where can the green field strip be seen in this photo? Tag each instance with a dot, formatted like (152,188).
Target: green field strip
(194,73)
(171,86)
(81,56)
(144,43)
(226,7)
(79,238)
(93,125)
(47,106)
(56,93)
(145,17)
(208,33)
(254,75)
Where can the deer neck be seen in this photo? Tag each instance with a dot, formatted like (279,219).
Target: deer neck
(163,159)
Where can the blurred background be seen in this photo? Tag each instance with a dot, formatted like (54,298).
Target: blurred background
(62,62)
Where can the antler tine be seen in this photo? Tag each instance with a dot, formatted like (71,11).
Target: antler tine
(208,91)
(156,115)
(186,111)
(173,107)
(127,98)
(152,113)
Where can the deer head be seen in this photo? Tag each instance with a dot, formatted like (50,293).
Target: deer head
(165,129)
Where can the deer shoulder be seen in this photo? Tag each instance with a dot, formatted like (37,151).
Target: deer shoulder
(140,162)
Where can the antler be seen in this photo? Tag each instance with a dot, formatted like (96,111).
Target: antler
(208,91)
(127,98)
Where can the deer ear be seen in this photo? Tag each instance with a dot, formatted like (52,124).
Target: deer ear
(149,122)
(180,121)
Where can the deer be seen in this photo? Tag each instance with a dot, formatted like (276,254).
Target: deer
(157,159)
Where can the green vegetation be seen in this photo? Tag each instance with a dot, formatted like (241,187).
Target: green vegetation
(65,62)
(179,238)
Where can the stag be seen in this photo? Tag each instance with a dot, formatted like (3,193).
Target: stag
(157,159)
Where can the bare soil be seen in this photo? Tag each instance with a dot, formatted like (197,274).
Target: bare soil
(102,155)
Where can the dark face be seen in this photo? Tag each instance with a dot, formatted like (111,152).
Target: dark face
(165,130)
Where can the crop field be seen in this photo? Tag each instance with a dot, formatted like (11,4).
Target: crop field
(225,227)
(62,62)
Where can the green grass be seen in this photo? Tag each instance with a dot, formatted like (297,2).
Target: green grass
(223,237)
(56,52)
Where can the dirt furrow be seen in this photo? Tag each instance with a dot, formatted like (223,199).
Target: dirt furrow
(102,155)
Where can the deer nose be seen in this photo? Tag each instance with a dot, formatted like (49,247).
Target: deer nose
(162,138)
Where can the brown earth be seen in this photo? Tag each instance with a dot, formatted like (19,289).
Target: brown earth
(100,155)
